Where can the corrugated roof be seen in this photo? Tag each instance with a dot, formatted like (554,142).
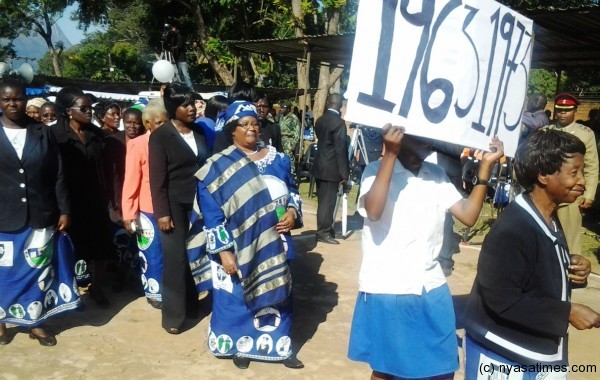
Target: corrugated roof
(325,49)
(564,38)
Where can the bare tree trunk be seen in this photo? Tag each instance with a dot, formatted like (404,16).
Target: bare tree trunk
(301,67)
(219,68)
(55,61)
(327,76)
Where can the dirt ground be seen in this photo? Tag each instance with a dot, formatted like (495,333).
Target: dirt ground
(127,341)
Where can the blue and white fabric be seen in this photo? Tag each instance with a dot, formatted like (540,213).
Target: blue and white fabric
(37,280)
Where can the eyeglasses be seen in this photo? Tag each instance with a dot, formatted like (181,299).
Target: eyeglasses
(248,125)
(82,108)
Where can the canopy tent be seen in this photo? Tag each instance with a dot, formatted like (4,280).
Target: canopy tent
(564,38)
(125,91)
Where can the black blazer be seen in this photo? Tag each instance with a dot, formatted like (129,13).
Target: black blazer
(115,150)
(331,160)
(33,190)
(172,167)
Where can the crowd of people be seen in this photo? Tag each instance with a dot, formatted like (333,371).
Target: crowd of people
(197,195)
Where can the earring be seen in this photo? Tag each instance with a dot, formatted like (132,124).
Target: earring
(70,116)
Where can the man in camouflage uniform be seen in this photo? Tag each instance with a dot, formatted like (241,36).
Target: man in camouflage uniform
(289,125)
(569,215)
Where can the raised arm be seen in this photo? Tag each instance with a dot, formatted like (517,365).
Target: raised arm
(467,210)
(376,198)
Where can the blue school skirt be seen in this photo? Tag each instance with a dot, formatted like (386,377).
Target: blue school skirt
(407,336)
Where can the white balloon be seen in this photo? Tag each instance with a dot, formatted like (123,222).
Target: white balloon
(163,71)
(26,72)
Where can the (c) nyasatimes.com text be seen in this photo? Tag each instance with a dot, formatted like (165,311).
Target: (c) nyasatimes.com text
(489,368)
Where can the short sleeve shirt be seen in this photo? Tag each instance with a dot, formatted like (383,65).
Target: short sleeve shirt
(400,249)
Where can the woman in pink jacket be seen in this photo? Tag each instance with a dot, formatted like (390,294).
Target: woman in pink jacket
(137,203)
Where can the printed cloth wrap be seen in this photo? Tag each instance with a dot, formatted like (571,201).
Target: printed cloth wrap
(37,280)
(150,255)
(235,184)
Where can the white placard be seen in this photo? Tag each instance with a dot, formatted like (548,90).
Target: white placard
(451,70)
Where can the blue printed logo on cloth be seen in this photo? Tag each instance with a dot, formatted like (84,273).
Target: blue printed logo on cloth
(244,344)
(80,267)
(39,257)
(46,278)
(34,309)
(16,311)
(2,313)
(224,343)
(146,237)
(212,341)
(153,286)
(51,299)
(267,319)
(283,346)
(143,262)
(6,253)
(65,293)
(39,248)
(264,344)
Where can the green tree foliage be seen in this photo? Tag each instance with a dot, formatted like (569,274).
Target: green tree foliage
(542,81)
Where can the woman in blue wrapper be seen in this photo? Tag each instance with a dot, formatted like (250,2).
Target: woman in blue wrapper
(249,203)
(36,260)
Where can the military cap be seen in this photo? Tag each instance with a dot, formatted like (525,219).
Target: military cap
(565,101)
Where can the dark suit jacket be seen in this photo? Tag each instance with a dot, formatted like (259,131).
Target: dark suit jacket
(115,150)
(331,160)
(172,167)
(33,190)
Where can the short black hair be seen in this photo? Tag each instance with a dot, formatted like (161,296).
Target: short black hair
(242,91)
(102,108)
(215,105)
(12,83)
(177,95)
(544,153)
(132,111)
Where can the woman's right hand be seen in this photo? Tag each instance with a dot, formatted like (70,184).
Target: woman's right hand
(228,262)
(392,137)
(128,226)
(165,223)
(582,317)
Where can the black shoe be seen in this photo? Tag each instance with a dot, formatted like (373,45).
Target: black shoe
(154,303)
(173,330)
(98,296)
(293,362)
(47,341)
(241,362)
(5,339)
(327,239)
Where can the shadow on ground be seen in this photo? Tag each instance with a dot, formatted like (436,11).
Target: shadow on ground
(314,297)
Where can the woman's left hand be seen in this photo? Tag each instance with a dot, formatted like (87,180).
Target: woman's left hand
(63,223)
(287,222)
(579,270)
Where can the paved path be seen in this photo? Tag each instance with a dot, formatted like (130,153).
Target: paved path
(127,342)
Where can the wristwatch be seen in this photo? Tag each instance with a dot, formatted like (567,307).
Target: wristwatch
(478,181)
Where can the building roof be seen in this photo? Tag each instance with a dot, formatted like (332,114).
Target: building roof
(324,49)
(564,38)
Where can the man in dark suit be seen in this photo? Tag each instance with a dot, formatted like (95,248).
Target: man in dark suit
(331,165)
